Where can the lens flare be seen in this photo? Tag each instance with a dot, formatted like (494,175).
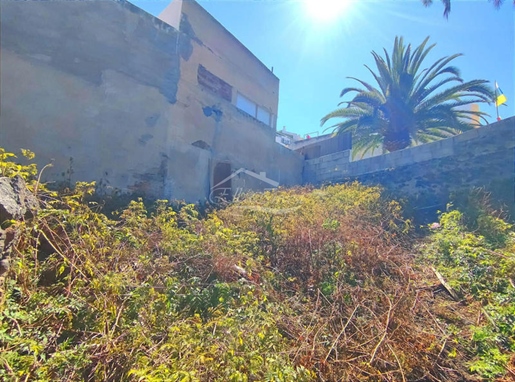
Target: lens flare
(326,10)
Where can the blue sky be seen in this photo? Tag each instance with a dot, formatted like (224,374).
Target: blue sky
(312,57)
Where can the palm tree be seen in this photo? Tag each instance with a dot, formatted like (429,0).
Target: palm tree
(410,105)
(447,5)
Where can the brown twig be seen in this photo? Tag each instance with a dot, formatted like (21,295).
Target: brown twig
(339,335)
(447,287)
(398,363)
(387,323)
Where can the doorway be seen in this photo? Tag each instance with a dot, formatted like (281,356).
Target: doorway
(222,183)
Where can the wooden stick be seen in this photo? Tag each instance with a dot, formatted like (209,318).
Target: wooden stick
(449,289)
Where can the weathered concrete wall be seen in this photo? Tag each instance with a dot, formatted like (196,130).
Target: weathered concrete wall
(222,54)
(229,135)
(483,157)
(324,168)
(111,93)
(91,87)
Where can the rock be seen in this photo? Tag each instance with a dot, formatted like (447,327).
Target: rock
(8,238)
(16,201)
(4,266)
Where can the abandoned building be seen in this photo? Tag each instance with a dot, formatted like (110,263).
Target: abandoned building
(168,107)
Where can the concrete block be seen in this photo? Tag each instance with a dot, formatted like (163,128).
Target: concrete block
(404,158)
(467,135)
(391,160)
(312,166)
(330,166)
(444,148)
(327,177)
(360,168)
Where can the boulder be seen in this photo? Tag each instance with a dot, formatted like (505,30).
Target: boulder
(16,201)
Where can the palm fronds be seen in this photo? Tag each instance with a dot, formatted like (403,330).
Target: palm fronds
(409,105)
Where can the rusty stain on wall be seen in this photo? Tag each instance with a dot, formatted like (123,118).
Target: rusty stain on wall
(213,83)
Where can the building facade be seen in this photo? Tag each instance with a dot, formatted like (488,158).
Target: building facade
(167,107)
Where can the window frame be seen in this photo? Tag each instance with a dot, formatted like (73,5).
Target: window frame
(256,107)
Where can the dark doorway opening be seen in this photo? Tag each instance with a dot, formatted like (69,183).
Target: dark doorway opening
(222,183)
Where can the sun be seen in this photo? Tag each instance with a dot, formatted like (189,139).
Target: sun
(326,10)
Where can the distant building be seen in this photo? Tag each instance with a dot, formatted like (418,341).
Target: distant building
(322,145)
(314,146)
(287,138)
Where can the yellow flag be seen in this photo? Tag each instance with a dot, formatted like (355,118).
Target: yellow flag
(501,98)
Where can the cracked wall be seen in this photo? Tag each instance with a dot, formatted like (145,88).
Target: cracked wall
(92,87)
(110,93)
(218,68)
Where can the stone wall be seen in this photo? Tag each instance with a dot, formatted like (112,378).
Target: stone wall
(323,169)
(429,173)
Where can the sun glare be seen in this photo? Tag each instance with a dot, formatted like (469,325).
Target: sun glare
(326,10)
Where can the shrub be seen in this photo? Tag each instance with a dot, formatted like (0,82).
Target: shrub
(297,284)
(480,265)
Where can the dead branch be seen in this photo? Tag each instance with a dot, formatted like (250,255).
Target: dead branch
(447,287)
(387,323)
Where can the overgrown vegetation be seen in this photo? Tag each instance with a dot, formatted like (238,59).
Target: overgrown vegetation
(295,285)
(480,266)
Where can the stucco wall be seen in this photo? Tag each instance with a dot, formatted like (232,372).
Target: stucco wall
(483,157)
(110,93)
(90,85)
(230,135)
(222,54)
